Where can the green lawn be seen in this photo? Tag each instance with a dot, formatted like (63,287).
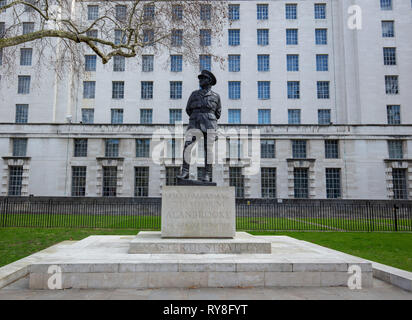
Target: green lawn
(394,249)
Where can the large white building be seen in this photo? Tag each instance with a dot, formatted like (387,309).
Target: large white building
(330,95)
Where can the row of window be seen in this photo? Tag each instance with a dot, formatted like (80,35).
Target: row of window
(205,62)
(267,148)
(234,115)
(301,182)
(205,14)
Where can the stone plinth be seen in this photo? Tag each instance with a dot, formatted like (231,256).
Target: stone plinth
(198,212)
(152,242)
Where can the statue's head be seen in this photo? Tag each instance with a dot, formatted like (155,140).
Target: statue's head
(206,78)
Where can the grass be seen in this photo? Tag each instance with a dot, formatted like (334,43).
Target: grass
(394,249)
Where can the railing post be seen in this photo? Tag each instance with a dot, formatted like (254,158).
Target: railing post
(395,211)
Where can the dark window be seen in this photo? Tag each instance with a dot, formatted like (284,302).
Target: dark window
(331,149)
(19,147)
(400,189)
(301,186)
(236,179)
(109,181)
(141,178)
(142,148)
(80,147)
(333,184)
(15,180)
(268,182)
(267,149)
(171,173)
(299,149)
(112,148)
(78,181)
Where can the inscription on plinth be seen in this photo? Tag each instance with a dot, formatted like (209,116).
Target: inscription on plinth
(198,212)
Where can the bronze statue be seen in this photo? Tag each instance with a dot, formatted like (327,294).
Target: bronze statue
(204,109)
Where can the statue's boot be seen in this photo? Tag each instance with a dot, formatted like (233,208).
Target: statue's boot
(185,172)
(208,173)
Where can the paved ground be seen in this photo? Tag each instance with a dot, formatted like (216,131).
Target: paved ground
(381,291)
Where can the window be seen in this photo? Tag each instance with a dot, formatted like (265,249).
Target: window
(234,90)
(320,10)
(15,180)
(117,116)
(394,114)
(291,36)
(80,147)
(22,113)
(120,12)
(395,148)
(119,37)
(389,56)
(177,37)
(322,62)
(148,36)
(234,116)
(262,11)
(400,186)
(171,149)
(2,29)
(147,90)
(175,115)
(205,12)
(237,180)
(323,89)
(89,89)
(78,181)
(92,12)
(25,56)
(324,116)
(299,149)
(391,85)
(333,184)
(205,62)
(141,181)
(87,115)
(234,37)
(234,10)
(146,116)
(291,11)
(264,116)
(331,149)
(109,181)
(23,85)
(147,63)
(263,62)
(268,182)
(119,63)
(111,148)
(177,12)
(386,4)
(3,3)
(301,183)
(234,148)
(149,12)
(263,37)
(205,37)
(28,27)
(92,33)
(263,90)
(234,63)
(292,62)
(294,116)
(175,89)
(267,149)
(321,36)
(388,29)
(90,63)
(142,148)
(19,147)
(176,63)
(117,89)
(293,90)
(171,173)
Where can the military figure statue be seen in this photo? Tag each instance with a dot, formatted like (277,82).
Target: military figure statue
(203,109)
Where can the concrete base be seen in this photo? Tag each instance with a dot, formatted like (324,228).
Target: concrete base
(152,242)
(99,262)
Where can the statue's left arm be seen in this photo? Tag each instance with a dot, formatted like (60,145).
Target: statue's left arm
(218,108)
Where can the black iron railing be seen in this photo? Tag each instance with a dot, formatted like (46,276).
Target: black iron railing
(251,214)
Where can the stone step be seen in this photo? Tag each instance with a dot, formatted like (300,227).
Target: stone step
(152,242)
